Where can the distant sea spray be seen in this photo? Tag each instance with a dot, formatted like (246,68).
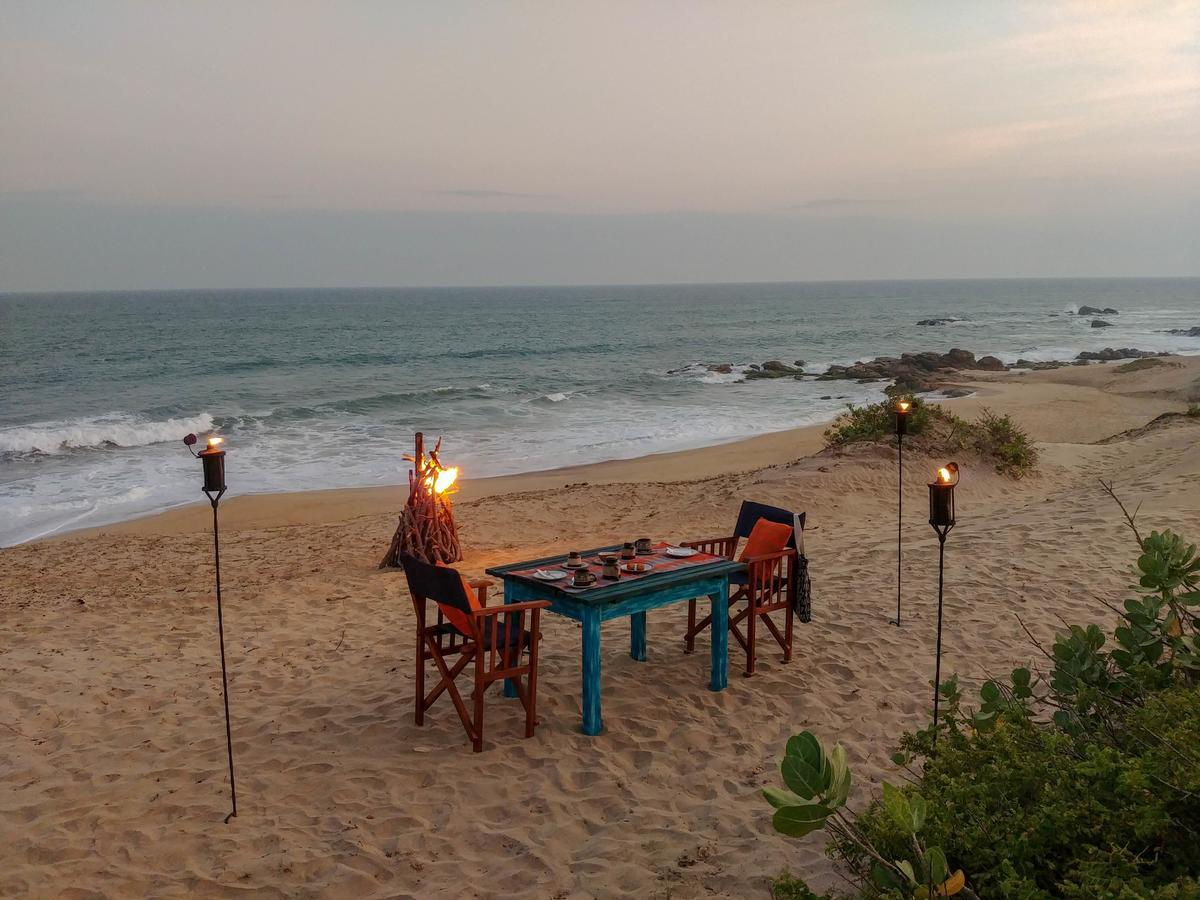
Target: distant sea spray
(319,388)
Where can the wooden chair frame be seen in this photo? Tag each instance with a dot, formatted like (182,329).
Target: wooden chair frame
(770,586)
(494,659)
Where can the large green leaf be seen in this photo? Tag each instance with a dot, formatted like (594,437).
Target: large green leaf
(778,798)
(917,811)
(802,778)
(805,746)
(797,821)
(935,865)
(897,807)
(839,781)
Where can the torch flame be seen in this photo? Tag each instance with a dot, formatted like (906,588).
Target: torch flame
(903,406)
(944,475)
(214,441)
(444,479)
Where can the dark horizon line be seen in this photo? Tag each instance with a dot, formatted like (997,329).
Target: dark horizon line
(607,284)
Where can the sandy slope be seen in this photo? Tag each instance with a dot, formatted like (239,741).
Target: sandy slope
(112,750)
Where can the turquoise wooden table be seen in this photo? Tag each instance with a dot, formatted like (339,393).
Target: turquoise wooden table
(630,597)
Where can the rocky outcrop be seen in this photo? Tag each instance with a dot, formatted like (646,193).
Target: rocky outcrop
(1108,354)
(1184,332)
(915,372)
(1096,311)
(773,368)
(1100,323)
(945,320)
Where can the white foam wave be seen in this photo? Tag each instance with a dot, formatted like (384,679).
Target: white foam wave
(116,429)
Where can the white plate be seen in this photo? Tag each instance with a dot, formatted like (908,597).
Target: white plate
(549,574)
(681,552)
(646,567)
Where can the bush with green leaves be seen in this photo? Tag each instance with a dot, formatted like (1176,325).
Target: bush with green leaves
(931,428)
(1079,781)
(817,788)
(1000,439)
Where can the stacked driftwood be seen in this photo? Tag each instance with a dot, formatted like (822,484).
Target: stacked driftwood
(426,529)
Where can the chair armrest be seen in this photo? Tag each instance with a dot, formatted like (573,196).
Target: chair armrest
(721,546)
(509,607)
(480,586)
(765,557)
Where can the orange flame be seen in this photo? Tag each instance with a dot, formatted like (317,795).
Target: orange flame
(214,441)
(944,475)
(444,479)
(903,406)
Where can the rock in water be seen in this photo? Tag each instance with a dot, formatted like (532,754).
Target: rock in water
(1096,311)
(1100,323)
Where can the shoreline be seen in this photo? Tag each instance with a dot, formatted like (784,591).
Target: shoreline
(1034,397)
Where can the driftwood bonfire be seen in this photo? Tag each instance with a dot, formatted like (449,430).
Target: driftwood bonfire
(426,529)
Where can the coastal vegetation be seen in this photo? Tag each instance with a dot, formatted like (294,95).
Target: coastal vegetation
(933,429)
(1079,781)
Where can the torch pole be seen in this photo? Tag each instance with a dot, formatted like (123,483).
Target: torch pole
(221,636)
(937,667)
(899,515)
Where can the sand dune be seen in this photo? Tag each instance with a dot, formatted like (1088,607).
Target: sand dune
(112,748)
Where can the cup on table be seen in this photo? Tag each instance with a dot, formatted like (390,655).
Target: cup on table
(642,545)
(583,578)
(573,559)
(628,551)
(612,568)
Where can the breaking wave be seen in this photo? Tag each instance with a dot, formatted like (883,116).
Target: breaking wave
(114,430)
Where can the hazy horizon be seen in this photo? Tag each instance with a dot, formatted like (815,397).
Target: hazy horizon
(394,145)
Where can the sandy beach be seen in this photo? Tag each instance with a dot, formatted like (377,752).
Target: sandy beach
(112,757)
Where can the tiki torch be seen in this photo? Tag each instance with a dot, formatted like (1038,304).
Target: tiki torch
(941,517)
(903,407)
(212,458)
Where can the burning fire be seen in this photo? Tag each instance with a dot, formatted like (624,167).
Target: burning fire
(903,406)
(944,475)
(444,479)
(214,442)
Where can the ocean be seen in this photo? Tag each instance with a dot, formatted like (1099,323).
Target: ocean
(324,388)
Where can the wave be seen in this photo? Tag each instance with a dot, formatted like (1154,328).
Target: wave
(112,430)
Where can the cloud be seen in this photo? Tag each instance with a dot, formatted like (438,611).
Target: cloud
(822,203)
(478,194)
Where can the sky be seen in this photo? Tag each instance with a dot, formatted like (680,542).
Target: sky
(151,145)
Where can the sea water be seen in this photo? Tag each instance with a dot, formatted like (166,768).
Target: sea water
(324,388)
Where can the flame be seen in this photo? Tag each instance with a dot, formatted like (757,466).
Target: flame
(903,406)
(214,441)
(944,475)
(444,479)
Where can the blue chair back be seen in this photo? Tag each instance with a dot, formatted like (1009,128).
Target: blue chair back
(437,583)
(751,512)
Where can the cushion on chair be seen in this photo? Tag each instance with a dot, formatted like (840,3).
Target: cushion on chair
(456,617)
(766,537)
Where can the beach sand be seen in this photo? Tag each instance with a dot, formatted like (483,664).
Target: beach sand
(113,776)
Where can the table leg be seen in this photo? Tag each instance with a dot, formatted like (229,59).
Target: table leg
(592,723)
(719,631)
(637,636)
(510,686)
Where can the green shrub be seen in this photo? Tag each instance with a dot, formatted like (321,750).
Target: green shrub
(1081,782)
(877,422)
(999,438)
(931,428)
(787,886)
(1194,411)
(1138,365)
